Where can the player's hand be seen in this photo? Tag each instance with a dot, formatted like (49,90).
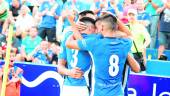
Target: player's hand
(75,73)
(15,79)
(29,57)
(150,1)
(35,60)
(159,10)
(80,26)
(120,34)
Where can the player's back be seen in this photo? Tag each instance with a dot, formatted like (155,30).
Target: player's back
(109,55)
(76,58)
(84,59)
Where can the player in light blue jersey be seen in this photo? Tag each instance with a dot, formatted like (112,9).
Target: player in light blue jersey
(109,54)
(78,62)
(130,62)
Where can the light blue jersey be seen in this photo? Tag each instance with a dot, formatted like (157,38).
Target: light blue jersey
(75,58)
(109,55)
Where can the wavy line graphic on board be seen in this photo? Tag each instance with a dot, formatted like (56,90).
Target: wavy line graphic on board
(44,76)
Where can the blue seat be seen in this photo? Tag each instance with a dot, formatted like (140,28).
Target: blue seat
(158,67)
(153,53)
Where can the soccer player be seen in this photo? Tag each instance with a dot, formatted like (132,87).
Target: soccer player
(109,54)
(130,60)
(78,62)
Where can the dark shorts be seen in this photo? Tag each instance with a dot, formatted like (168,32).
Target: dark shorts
(164,39)
(49,32)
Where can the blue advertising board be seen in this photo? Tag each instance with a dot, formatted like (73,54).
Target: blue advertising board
(43,80)
(145,85)
(39,80)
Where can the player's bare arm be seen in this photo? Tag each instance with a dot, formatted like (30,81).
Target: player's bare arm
(72,43)
(133,63)
(74,73)
(124,29)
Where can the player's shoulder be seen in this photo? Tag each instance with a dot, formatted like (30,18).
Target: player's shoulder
(125,40)
(89,35)
(88,42)
(97,35)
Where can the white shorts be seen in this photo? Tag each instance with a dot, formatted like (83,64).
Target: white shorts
(75,91)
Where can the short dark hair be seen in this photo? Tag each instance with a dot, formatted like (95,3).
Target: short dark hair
(98,19)
(87,20)
(110,19)
(84,13)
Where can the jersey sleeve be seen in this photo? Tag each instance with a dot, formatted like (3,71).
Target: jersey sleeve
(86,44)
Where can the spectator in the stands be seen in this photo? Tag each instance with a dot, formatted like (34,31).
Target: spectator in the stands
(3,41)
(8,21)
(143,16)
(55,47)
(129,4)
(15,8)
(43,55)
(13,77)
(115,8)
(98,6)
(4,8)
(47,27)
(151,6)
(29,43)
(24,22)
(141,37)
(164,35)
(15,44)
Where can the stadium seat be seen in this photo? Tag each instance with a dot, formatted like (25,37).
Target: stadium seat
(153,54)
(158,67)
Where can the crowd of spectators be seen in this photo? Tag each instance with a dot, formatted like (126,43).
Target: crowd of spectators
(40,24)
